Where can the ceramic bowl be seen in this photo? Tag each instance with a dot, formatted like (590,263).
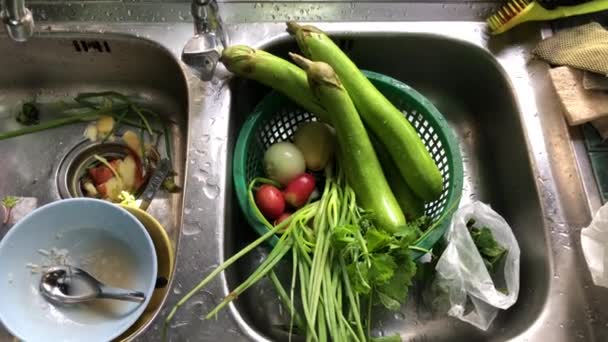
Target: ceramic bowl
(101,238)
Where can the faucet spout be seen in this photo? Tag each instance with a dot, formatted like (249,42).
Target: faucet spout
(202,52)
(17,19)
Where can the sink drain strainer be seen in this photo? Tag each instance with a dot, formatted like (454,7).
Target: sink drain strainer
(75,163)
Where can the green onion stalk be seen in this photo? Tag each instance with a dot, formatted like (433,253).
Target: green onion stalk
(328,307)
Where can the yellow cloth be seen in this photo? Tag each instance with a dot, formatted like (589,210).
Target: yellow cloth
(584,47)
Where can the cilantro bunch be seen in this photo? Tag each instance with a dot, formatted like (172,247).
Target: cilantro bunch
(379,264)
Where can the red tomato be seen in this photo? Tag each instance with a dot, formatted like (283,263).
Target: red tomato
(100,174)
(299,189)
(270,201)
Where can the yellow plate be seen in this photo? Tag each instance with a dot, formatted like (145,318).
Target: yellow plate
(165,258)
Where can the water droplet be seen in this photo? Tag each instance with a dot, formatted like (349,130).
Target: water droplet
(399,315)
(377,333)
(211,190)
(197,308)
(177,290)
(206,167)
(178,324)
(213,180)
(191,229)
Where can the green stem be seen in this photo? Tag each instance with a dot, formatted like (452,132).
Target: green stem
(288,302)
(118,121)
(369,314)
(329,307)
(167,138)
(294,269)
(277,254)
(219,269)
(419,249)
(320,252)
(143,118)
(49,125)
(83,97)
(304,279)
(351,300)
(136,124)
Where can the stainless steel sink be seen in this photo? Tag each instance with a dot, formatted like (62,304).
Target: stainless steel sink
(519,154)
(494,97)
(470,88)
(58,67)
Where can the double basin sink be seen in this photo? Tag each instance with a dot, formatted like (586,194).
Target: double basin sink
(518,155)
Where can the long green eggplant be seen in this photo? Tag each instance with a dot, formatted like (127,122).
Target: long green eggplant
(411,205)
(273,72)
(390,126)
(357,156)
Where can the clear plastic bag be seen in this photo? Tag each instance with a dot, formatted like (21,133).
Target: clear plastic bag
(473,295)
(594,240)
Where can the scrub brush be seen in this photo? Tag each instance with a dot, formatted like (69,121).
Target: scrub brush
(516,12)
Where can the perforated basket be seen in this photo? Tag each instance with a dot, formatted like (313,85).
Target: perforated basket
(276,118)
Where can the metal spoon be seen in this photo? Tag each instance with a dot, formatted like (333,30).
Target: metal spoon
(69,285)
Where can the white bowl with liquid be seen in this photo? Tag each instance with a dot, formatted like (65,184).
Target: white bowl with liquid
(99,237)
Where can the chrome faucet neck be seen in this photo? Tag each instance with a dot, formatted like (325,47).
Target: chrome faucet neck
(17,19)
(202,52)
(206,18)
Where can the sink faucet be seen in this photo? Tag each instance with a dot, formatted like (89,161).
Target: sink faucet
(17,19)
(202,52)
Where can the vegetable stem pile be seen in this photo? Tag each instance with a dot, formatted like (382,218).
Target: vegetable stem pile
(105,112)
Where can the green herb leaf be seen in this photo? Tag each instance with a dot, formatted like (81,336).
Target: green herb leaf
(485,242)
(382,269)
(378,260)
(344,235)
(29,114)
(376,239)
(358,276)
(489,249)
(387,301)
(396,289)
(9,201)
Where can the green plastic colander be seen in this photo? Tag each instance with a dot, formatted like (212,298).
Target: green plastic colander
(276,118)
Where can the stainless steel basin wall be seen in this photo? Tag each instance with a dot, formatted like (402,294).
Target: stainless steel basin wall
(470,89)
(58,67)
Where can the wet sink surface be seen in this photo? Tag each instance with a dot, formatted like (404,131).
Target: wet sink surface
(455,77)
(58,67)
(516,146)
